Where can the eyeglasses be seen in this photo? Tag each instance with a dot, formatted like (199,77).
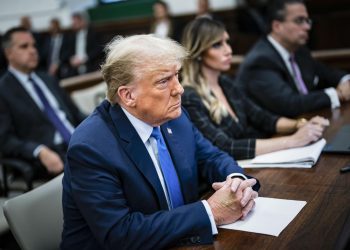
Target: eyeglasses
(302,20)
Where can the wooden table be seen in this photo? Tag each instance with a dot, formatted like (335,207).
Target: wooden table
(321,222)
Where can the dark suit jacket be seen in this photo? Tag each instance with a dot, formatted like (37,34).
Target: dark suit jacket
(266,79)
(112,196)
(23,126)
(236,138)
(93,50)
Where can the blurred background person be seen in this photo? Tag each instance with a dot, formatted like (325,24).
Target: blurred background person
(221,111)
(53,45)
(81,50)
(37,117)
(26,22)
(203,8)
(162,25)
(279,72)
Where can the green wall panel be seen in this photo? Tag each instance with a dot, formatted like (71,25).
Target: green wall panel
(121,11)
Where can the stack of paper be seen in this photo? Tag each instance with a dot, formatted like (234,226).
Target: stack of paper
(302,157)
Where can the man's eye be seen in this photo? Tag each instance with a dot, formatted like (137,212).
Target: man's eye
(163,81)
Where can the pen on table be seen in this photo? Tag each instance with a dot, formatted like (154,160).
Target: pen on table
(345,169)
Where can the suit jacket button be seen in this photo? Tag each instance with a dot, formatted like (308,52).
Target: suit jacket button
(193,239)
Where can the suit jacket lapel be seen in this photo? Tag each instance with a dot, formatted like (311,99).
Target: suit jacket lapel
(137,151)
(26,100)
(283,65)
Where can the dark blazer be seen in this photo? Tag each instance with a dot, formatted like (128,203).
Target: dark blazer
(112,196)
(23,126)
(93,50)
(266,79)
(236,138)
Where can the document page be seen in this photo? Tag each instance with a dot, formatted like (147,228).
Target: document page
(302,157)
(269,216)
(249,164)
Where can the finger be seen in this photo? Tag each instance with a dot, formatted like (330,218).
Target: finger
(247,183)
(322,122)
(228,182)
(255,195)
(217,185)
(235,184)
(247,196)
(247,209)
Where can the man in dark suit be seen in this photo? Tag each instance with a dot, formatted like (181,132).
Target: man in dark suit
(279,72)
(26,130)
(80,51)
(117,190)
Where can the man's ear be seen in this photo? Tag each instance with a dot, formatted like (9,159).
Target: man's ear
(276,26)
(126,95)
(7,52)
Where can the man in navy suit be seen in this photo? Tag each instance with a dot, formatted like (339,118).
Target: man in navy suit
(279,73)
(25,130)
(116,193)
(80,52)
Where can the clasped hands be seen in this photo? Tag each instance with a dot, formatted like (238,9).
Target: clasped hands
(233,199)
(343,91)
(309,132)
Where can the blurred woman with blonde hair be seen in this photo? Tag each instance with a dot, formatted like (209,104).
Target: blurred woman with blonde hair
(221,111)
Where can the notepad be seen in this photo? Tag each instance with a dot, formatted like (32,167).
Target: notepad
(301,157)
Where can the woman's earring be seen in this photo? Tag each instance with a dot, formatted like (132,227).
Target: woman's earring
(199,58)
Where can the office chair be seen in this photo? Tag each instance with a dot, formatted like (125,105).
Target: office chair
(36,217)
(4,227)
(18,166)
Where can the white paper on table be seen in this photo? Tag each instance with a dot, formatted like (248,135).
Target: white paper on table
(269,216)
(248,164)
(301,157)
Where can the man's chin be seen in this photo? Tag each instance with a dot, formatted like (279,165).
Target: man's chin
(176,113)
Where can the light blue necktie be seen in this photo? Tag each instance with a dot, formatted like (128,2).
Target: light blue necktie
(168,170)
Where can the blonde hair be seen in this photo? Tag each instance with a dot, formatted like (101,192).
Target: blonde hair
(199,35)
(129,58)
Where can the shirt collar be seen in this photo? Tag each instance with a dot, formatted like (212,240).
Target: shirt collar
(143,129)
(22,77)
(280,49)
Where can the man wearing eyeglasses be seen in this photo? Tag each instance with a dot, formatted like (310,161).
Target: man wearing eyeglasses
(279,72)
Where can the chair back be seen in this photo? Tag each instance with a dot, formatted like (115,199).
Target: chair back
(36,217)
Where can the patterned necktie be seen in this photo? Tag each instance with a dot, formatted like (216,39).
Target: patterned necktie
(297,76)
(50,113)
(168,170)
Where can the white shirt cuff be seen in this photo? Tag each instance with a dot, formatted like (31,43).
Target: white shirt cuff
(242,176)
(344,79)
(214,230)
(333,96)
(37,150)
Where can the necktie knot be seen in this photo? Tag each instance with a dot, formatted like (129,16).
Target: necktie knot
(291,58)
(30,79)
(156,133)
